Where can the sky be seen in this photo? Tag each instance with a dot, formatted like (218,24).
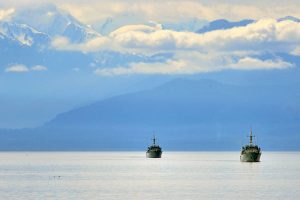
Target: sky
(91,11)
(129,42)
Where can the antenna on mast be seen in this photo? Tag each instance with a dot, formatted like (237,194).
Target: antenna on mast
(251,137)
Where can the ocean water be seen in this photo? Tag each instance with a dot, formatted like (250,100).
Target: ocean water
(129,175)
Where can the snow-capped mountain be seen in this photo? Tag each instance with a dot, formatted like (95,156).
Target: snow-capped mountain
(222,24)
(23,34)
(31,41)
(51,20)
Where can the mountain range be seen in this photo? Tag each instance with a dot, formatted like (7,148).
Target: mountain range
(223,24)
(184,114)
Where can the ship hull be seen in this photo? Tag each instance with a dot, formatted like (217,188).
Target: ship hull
(250,157)
(153,154)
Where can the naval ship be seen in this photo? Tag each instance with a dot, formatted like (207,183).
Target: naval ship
(250,152)
(154,151)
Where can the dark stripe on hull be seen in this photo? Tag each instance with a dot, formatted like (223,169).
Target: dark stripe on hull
(154,154)
(250,157)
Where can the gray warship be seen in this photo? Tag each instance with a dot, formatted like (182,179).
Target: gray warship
(250,152)
(154,151)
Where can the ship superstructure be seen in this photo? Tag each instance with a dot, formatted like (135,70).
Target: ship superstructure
(250,152)
(154,151)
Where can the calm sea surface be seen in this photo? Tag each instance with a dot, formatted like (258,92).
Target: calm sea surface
(129,175)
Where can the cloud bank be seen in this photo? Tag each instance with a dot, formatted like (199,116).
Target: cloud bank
(200,63)
(266,34)
(263,35)
(236,48)
(19,68)
(5,14)
(173,10)
(93,11)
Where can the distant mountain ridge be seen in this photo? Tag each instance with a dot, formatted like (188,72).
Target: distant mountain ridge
(185,114)
(23,35)
(203,94)
(223,24)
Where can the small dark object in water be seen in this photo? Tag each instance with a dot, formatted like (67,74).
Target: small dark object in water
(154,151)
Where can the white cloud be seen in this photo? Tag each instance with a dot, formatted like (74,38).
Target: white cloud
(182,63)
(6,13)
(249,63)
(170,67)
(264,35)
(39,68)
(195,62)
(93,12)
(96,44)
(136,28)
(296,51)
(19,68)
(60,42)
(96,11)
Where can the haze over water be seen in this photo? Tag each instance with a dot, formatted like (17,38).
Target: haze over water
(129,175)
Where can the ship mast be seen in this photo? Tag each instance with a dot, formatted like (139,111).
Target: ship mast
(154,139)
(251,137)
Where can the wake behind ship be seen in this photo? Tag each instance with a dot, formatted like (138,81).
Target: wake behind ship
(154,151)
(250,152)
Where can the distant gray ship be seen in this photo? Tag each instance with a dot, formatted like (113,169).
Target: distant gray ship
(250,152)
(154,151)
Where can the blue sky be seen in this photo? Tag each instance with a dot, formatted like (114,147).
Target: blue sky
(116,47)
